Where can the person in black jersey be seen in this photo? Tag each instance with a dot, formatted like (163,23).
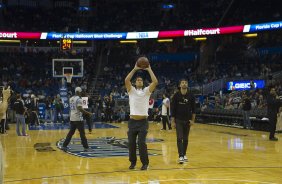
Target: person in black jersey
(183,116)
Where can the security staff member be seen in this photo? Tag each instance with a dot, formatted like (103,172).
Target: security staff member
(138,122)
(273,105)
(76,120)
(183,116)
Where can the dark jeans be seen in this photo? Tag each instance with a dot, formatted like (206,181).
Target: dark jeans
(56,116)
(246,119)
(138,128)
(109,115)
(182,133)
(73,126)
(2,126)
(33,118)
(272,122)
(165,121)
(88,120)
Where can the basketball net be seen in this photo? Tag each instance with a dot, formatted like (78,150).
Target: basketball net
(68,77)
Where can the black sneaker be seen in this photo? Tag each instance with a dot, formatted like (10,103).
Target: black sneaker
(144,167)
(132,166)
(273,139)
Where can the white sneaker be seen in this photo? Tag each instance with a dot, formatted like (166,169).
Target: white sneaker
(185,158)
(181,160)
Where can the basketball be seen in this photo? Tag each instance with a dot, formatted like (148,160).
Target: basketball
(143,62)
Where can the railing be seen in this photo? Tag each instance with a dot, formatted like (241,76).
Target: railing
(213,86)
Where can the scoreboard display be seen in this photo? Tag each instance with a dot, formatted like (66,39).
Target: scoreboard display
(66,44)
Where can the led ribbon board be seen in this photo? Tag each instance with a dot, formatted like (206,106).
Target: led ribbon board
(144,35)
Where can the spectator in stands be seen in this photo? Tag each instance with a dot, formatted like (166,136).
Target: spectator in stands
(99,107)
(108,108)
(273,105)
(33,111)
(252,84)
(58,109)
(151,109)
(246,106)
(122,114)
(87,118)
(165,112)
(20,112)
(48,113)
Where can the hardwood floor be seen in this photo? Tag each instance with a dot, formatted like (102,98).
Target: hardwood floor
(216,155)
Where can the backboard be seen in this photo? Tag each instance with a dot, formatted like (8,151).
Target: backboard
(62,66)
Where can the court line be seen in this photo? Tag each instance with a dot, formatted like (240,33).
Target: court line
(129,171)
(206,179)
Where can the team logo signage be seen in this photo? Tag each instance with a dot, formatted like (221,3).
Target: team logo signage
(104,147)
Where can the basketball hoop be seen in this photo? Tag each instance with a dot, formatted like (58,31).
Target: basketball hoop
(68,77)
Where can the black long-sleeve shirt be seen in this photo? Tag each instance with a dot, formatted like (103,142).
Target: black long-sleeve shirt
(183,106)
(273,105)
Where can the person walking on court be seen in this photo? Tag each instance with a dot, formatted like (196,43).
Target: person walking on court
(183,116)
(138,122)
(165,112)
(76,120)
(273,105)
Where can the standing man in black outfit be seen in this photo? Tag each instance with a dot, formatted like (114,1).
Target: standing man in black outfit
(273,104)
(138,122)
(183,116)
(247,106)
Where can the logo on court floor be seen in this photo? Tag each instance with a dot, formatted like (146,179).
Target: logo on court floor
(104,147)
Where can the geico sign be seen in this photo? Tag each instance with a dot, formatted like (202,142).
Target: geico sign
(8,35)
(243,85)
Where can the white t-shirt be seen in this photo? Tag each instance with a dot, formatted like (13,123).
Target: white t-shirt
(75,114)
(139,101)
(165,106)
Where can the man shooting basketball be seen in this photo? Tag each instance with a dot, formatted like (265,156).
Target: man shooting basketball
(138,122)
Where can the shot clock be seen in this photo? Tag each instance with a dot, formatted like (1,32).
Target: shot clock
(66,44)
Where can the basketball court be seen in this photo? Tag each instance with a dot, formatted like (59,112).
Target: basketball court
(216,155)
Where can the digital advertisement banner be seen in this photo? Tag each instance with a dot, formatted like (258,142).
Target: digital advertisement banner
(19,35)
(245,85)
(263,26)
(144,35)
(86,36)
